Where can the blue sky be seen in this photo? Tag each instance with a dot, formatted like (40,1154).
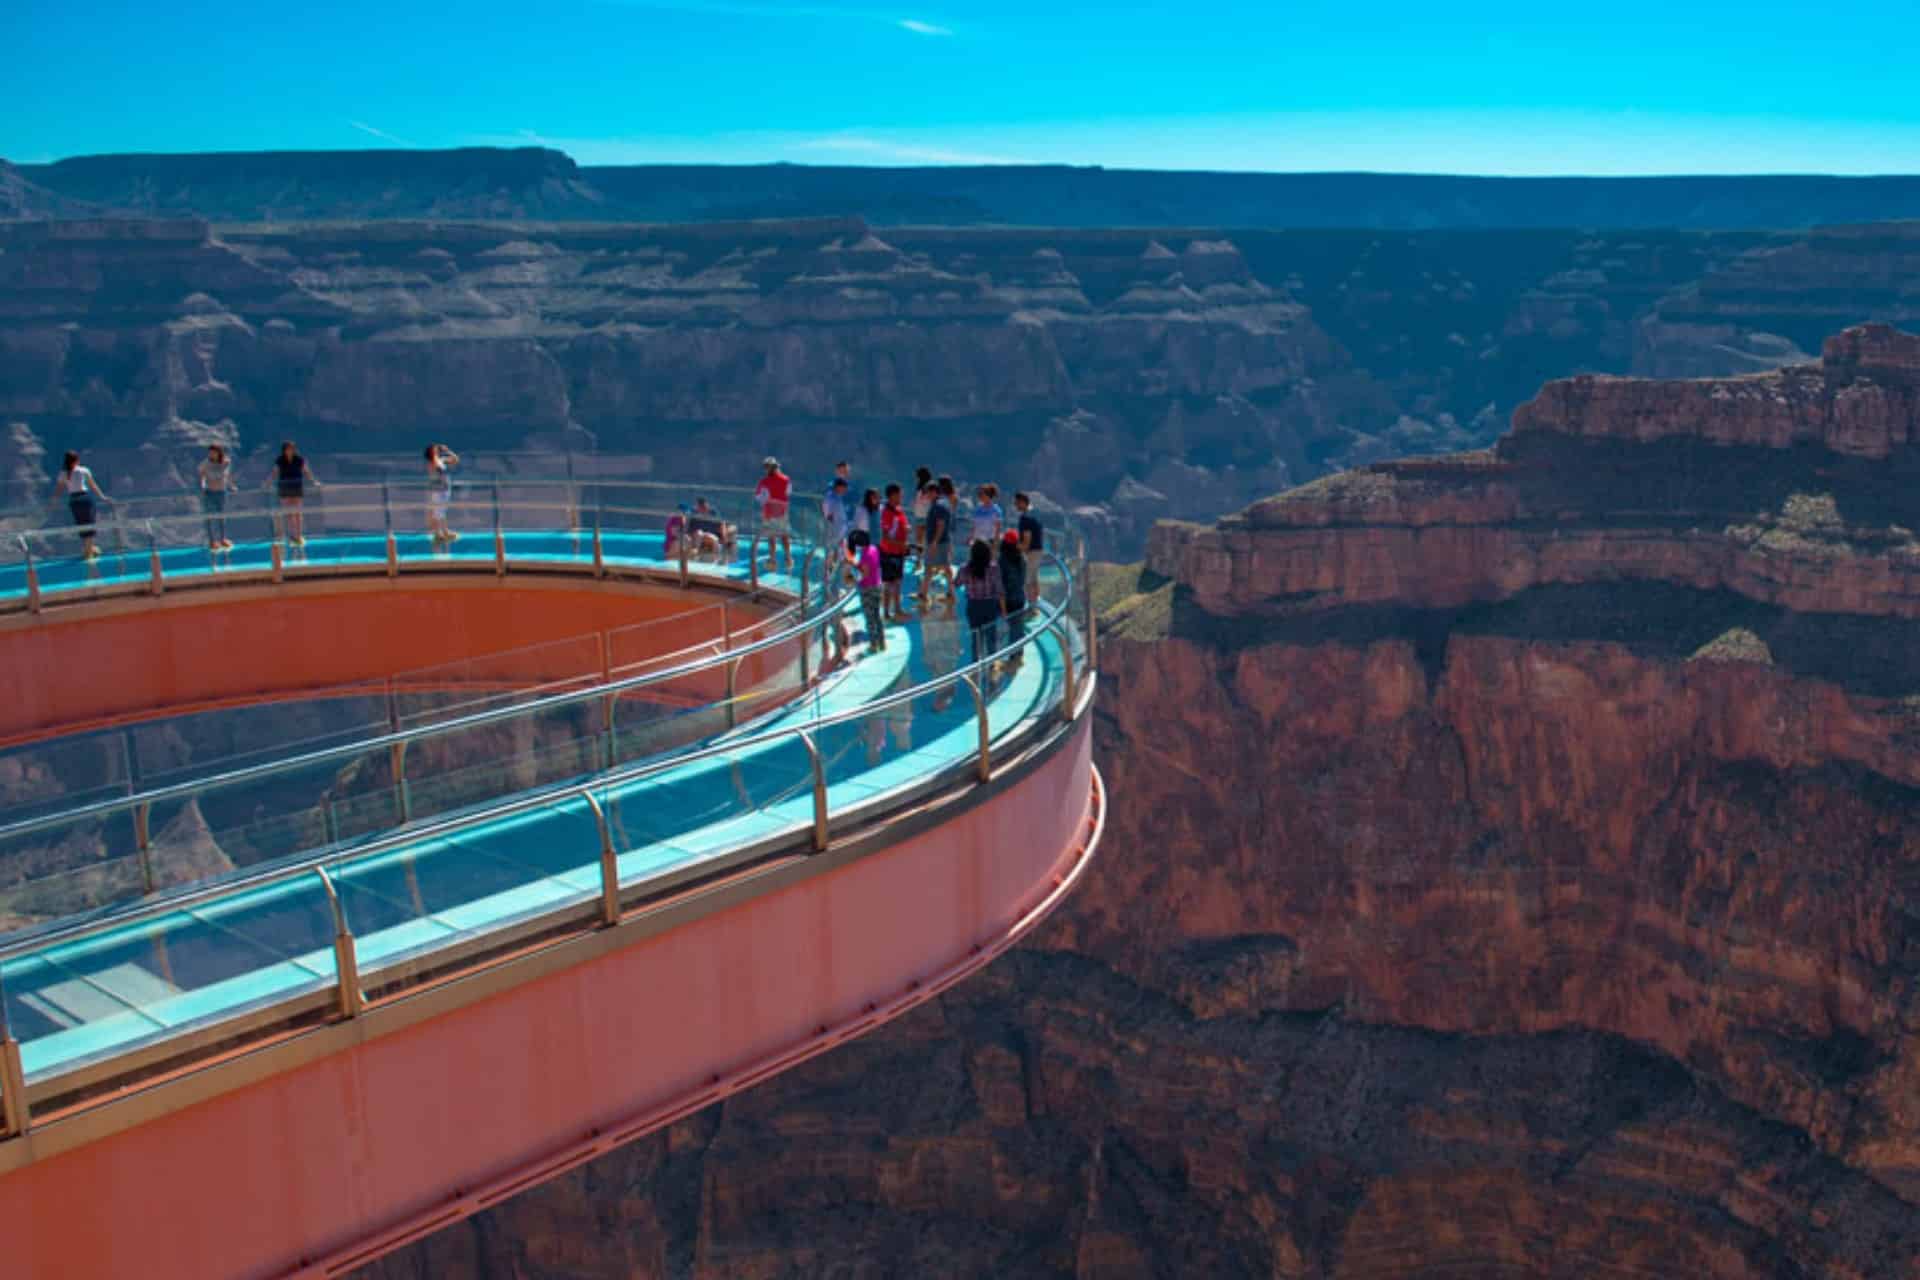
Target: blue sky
(1498,86)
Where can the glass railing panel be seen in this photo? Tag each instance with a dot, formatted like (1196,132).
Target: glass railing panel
(72,873)
(448,690)
(686,818)
(407,904)
(157,979)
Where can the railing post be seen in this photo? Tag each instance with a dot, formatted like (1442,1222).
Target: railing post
(346,965)
(393,555)
(819,791)
(330,819)
(733,673)
(142,839)
(1093,631)
(397,754)
(684,579)
(279,562)
(499,552)
(599,555)
(386,506)
(609,863)
(984,765)
(16,1116)
(155,585)
(573,497)
(753,563)
(608,701)
(33,578)
(1066,665)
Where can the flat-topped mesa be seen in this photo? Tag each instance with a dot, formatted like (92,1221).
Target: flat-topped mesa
(1798,489)
(1862,399)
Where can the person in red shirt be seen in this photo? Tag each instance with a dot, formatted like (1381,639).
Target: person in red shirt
(896,531)
(773,493)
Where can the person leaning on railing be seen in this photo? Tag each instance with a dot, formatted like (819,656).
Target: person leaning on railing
(290,477)
(80,488)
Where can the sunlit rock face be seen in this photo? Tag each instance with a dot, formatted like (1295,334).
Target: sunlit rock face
(1513,869)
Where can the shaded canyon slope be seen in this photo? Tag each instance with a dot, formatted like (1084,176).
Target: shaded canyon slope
(1130,375)
(1513,869)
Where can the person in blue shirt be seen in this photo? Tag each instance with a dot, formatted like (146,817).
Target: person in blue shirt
(988,519)
(850,496)
(936,556)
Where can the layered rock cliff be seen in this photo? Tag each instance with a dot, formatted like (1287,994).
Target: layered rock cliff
(1135,375)
(1513,869)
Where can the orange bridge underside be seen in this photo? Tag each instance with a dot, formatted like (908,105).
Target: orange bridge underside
(123,661)
(321,1153)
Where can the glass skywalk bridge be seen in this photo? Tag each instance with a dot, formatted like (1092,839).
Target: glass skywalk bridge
(96,1003)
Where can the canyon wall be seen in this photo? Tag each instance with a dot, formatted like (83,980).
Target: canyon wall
(1513,869)
(1126,375)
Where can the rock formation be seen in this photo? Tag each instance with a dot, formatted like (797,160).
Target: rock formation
(1513,868)
(1132,375)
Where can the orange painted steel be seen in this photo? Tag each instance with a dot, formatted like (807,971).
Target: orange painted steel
(329,1164)
(110,664)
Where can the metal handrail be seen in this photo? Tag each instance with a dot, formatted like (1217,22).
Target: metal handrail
(119,513)
(1053,618)
(480,719)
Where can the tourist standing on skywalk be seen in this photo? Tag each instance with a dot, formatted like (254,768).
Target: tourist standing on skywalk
(986,599)
(835,516)
(896,534)
(440,464)
(216,479)
(1013,592)
(773,493)
(1033,539)
(863,562)
(936,555)
(81,489)
(290,477)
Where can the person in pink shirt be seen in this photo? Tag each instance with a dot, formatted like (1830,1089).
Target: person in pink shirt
(863,562)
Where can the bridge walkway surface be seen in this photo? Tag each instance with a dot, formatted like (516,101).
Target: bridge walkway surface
(101,1005)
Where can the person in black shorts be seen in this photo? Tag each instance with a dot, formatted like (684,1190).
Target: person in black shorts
(936,557)
(896,535)
(290,477)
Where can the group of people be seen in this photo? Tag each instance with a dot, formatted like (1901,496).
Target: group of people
(699,531)
(289,478)
(880,529)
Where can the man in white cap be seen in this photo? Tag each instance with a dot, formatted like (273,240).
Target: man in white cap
(773,494)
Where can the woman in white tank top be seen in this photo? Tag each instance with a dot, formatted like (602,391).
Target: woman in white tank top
(79,487)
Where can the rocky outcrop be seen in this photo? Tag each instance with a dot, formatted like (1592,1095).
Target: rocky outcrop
(1791,490)
(1513,868)
(1773,305)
